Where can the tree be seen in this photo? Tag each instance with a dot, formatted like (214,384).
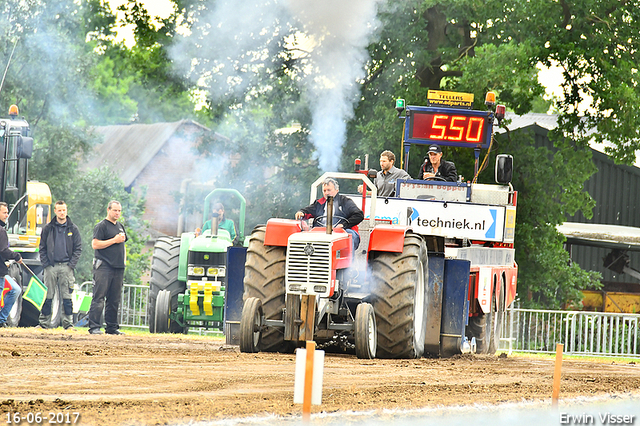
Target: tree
(51,76)
(471,47)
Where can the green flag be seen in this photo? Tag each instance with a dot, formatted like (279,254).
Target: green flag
(36,292)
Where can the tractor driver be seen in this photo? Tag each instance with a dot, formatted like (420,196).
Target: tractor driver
(223,223)
(345,212)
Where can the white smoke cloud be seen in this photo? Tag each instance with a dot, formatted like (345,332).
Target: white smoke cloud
(341,30)
(235,41)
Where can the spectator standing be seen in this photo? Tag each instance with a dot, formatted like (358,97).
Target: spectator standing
(60,249)
(108,241)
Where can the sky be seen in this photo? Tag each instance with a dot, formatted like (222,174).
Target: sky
(161,8)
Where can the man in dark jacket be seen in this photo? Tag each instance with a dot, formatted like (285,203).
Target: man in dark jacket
(434,167)
(60,249)
(9,288)
(345,212)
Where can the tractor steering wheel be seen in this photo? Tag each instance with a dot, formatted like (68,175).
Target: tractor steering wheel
(322,220)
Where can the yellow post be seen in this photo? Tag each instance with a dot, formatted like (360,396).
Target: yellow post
(556,375)
(308,382)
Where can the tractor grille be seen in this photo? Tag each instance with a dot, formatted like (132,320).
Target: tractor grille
(308,264)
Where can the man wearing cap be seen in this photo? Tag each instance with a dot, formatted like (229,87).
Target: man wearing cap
(434,167)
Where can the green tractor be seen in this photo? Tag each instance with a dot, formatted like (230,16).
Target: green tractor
(197,280)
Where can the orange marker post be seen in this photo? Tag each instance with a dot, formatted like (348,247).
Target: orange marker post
(556,375)
(308,382)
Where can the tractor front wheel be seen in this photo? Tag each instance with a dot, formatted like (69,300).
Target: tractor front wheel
(250,325)
(162,311)
(366,334)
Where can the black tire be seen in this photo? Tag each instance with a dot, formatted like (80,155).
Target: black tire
(264,277)
(13,320)
(399,298)
(250,325)
(366,334)
(477,329)
(162,311)
(164,276)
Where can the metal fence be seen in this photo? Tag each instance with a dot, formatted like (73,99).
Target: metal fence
(523,330)
(133,306)
(581,333)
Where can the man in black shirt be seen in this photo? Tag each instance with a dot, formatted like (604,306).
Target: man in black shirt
(60,249)
(108,241)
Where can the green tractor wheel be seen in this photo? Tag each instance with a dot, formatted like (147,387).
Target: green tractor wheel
(163,310)
(164,276)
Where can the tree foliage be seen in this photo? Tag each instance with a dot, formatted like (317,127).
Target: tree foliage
(53,76)
(257,69)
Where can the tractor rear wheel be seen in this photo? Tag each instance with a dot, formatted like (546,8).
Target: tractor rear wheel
(264,277)
(366,335)
(250,325)
(399,298)
(164,276)
(163,310)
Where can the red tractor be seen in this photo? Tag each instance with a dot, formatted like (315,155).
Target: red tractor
(306,283)
(435,269)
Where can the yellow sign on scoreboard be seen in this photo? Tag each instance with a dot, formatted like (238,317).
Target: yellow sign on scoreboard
(449,99)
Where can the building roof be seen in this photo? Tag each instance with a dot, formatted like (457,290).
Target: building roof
(546,121)
(600,235)
(128,148)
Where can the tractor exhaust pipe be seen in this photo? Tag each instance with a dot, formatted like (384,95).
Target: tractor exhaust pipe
(329,215)
(214,224)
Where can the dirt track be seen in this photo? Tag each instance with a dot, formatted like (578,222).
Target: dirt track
(165,379)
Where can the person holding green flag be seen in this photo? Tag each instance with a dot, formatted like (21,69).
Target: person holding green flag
(10,290)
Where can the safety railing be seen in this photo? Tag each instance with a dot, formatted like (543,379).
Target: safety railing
(581,333)
(523,330)
(133,305)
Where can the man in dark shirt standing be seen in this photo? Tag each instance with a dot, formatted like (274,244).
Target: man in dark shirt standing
(6,254)
(60,249)
(108,241)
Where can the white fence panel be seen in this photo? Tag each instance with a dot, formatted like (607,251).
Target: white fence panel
(582,333)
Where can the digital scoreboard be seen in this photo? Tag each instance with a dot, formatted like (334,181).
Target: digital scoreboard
(448,126)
